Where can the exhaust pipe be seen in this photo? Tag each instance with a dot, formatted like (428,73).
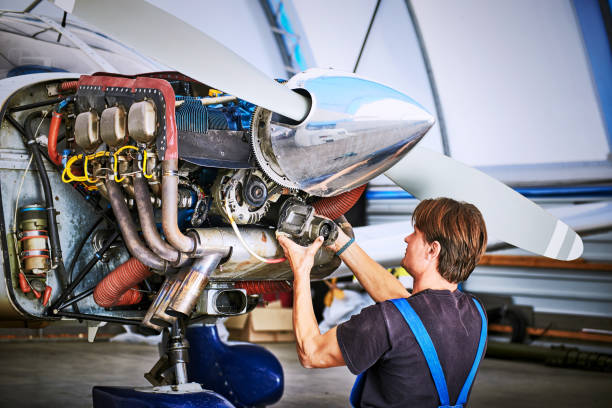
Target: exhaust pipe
(128,230)
(177,239)
(196,280)
(147,223)
(156,317)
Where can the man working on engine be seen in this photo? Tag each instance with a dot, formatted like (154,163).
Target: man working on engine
(401,361)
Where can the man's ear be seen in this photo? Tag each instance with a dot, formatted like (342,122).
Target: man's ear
(434,250)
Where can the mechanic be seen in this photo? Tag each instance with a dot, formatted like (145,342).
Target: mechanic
(385,343)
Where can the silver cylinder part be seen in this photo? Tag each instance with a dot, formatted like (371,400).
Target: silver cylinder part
(142,121)
(86,131)
(113,126)
(163,290)
(242,265)
(356,128)
(194,283)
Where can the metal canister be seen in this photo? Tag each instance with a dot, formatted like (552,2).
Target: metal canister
(33,239)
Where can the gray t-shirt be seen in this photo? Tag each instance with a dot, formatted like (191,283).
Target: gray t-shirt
(379,340)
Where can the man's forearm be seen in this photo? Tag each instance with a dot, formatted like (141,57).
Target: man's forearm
(304,321)
(375,279)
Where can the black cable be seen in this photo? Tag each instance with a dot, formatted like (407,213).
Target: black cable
(365,40)
(59,36)
(35,105)
(80,247)
(54,241)
(92,262)
(98,318)
(77,298)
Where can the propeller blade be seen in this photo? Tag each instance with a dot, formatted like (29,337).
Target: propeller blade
(509,216)
(176,44)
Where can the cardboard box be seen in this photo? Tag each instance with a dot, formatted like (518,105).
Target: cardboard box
(271,324)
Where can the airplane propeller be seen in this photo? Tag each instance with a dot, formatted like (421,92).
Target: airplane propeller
(509,216)
(162,36)
(422,172)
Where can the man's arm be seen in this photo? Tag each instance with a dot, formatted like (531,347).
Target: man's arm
(376,280)
(314,350)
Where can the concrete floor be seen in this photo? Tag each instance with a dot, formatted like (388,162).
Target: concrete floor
(61,374)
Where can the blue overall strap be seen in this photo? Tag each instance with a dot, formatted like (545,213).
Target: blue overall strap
(357,390)
(424,341)
(463,395)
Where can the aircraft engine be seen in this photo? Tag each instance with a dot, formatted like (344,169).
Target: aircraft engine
(199,181)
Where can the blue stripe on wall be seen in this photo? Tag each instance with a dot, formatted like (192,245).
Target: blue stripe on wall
(531,192)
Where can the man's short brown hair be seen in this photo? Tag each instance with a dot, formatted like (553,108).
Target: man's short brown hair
(459,228)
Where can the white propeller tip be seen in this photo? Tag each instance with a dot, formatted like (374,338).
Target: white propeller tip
(577,248)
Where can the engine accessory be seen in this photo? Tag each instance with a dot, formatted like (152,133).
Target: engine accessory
(336,206)
(263,287)
(299,220)
(115,288)
(242,264)
(230,191)
(142,122)
(196,280)
(54,241)
(255,192)
(86,132)
(128,230)
(33,239)
(222,302)
(354,138)
(113,127)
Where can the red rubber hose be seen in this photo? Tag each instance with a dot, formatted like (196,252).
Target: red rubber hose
(334,207)
(114,289)
(56,120)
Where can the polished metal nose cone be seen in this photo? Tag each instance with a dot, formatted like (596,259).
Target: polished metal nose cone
(356,129)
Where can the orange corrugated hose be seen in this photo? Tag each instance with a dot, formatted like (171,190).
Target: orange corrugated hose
(334,207)
(119,288)
(69,86)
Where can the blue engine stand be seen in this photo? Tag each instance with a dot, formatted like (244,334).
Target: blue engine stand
(240,375)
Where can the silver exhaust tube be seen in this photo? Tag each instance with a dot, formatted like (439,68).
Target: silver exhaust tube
(194,283)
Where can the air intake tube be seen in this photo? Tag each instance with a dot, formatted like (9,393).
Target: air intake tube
(115,288)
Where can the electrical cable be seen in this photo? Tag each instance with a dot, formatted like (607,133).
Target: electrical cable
(243,242)
(54,240)
(24,175)
(80,247)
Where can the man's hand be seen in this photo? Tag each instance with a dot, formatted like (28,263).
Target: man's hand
(300,258)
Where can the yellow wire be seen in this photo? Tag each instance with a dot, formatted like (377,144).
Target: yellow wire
(116,161)
(144,167)
(68,170)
